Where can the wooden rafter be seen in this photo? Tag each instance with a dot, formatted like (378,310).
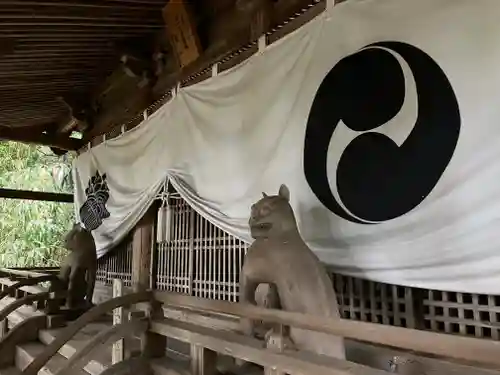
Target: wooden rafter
(36,195)
(63,142)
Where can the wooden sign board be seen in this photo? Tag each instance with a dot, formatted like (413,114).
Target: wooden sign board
(181,31)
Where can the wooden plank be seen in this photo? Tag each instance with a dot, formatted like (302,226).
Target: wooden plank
(275,342)
(143,243)
(261,19)
(182,33)
(203,360)
(495,334)
(36,195)
(460,348)
(251,350)
(4,328)
(4,313)
(5,283)
(234,34)
(118,350)
(67,333)
(23,332)
(407,363)
(116,332)
(58,141)
(23,283)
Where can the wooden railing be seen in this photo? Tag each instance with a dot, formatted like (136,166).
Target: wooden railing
(474,351)
(484,354)
(470,351)
(69,332)
(21,285)
(27,272)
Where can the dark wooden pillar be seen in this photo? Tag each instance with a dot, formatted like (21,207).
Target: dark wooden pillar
(143,245)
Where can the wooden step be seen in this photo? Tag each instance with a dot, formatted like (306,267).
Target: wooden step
(20,314)
(167,366)
(93,367)
(26,353)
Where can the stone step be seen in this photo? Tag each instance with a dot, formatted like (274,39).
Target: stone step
(26,353)
(99,363)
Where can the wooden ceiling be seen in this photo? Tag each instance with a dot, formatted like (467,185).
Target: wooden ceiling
(54,48)
(61,59)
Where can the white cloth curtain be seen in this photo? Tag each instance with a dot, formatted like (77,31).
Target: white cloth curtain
(412,165)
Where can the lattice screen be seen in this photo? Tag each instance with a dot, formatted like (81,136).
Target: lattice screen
(374,302)
(462,313)
(117,264)
(202,260)
(199,259)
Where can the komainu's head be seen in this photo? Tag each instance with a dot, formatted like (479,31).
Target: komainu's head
(78,238)
(272,215)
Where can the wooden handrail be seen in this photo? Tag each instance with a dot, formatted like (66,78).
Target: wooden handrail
(21,272)
(103,338)
(472,350)
(251,350)
(25,331)
(67,333)
(34,289)
(27,282)
(26,301)
(42,270)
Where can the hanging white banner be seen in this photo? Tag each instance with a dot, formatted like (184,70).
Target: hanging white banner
(381,117)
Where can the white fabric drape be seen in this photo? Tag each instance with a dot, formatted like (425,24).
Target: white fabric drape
(225,140)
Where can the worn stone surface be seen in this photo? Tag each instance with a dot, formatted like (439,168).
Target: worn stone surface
(280,257)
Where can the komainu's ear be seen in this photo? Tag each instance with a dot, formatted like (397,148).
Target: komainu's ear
(284,192)
(264,195)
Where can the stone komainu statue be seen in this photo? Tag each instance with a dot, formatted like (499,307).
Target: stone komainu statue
(78,270)
(281,258)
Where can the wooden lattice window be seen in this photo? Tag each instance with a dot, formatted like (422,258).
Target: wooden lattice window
(370,301)
(117,264)
(198,258)
(462,313)
(202,260)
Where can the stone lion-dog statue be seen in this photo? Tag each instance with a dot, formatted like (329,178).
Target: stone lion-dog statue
(280,257)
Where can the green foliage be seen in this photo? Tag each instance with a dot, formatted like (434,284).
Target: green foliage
(31,232)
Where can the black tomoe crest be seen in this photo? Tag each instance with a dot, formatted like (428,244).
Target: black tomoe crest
(377,180)
(94,210)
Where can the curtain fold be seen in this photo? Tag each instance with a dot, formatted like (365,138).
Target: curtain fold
(381,117)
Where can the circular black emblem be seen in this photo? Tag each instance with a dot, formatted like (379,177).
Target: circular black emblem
(377,179)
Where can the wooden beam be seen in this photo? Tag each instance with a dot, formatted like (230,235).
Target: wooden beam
(182,32)
(226,30)
(118,347)
(471,350)
(69,331)
(143,242)
(142,248)
(261,19)
(26,136)
(36,195)
(251,350)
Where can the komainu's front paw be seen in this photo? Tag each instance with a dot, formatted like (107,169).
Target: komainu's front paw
(277,341)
